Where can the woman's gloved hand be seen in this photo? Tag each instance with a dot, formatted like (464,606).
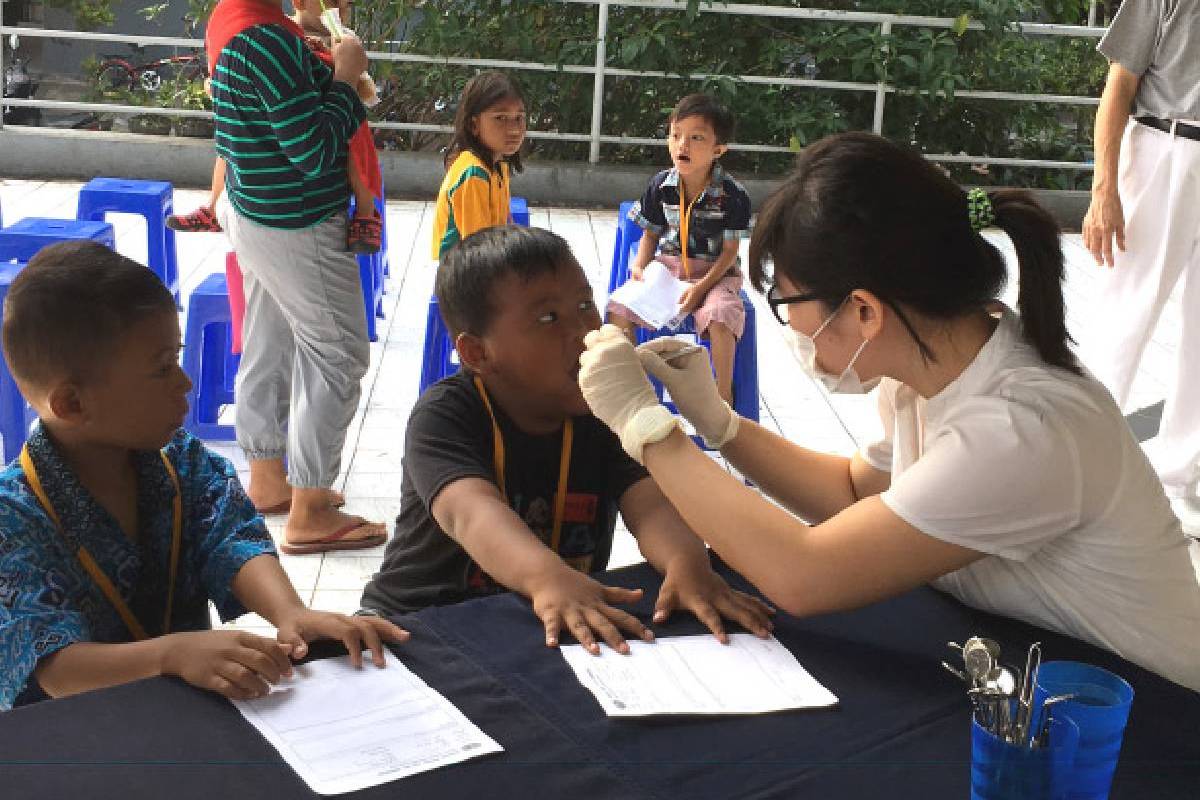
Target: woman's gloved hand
(689,379)
(619,393)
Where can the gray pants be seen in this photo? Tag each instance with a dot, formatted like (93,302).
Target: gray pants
(305,347)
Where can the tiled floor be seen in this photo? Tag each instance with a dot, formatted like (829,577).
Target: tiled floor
(790,403)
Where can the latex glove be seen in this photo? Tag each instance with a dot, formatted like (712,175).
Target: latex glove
(693,389)
(619,393)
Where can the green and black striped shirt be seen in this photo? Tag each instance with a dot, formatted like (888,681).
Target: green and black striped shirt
(283,125)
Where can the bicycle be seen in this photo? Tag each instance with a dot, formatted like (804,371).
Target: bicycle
(117,73)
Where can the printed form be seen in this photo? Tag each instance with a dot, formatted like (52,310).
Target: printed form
(697,675)
(655,298)
(343,729)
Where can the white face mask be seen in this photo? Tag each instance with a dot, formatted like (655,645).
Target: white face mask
(804,348)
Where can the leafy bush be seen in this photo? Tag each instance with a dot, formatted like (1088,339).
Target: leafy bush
(927,66)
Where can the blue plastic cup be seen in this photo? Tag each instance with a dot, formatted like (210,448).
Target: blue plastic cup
(1003,771)
(1100,711)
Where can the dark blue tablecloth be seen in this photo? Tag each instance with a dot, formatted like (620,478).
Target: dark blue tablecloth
(900,729)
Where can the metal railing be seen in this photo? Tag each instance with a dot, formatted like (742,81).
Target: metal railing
(600,71)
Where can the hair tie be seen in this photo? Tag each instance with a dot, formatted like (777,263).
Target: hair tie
(979,209)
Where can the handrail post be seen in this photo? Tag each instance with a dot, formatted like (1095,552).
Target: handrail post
(598,83)
(885,29)
(2,87)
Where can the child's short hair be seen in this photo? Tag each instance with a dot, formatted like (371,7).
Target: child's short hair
(67,310)
(712,110)
(481,93)
(469,271)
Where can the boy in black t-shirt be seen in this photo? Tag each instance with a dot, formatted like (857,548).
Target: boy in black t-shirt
(484,502)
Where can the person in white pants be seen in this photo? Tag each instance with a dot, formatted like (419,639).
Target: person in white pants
(1146,202)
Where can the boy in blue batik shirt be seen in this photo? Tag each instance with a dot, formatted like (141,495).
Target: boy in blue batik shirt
(116,527)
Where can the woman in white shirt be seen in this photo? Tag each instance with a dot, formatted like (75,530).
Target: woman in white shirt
(1006,475)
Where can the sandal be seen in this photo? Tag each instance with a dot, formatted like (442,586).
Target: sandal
(365,234)
(202,220)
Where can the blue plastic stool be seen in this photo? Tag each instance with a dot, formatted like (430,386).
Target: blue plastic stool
(207,359)
(15,414)
(438,360)
(629,233)
(381,205)
(21,240)
(518,211)
(153,200)
(745,356)
(371,275)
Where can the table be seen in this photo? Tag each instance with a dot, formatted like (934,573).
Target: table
(900,729)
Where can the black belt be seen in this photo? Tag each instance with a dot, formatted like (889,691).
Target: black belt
(1164,125)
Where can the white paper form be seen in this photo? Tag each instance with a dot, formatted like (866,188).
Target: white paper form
(343,729)
(697,675)
(655,298)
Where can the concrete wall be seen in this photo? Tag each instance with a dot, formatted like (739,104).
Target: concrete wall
(81,155)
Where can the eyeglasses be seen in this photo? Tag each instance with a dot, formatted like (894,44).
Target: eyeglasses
(779,305)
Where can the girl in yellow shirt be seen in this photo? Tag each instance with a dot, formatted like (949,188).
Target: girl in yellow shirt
(489,130)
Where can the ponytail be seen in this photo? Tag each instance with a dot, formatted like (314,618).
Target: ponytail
(1035,236)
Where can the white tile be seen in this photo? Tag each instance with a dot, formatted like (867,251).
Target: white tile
(341,601)
(345,571)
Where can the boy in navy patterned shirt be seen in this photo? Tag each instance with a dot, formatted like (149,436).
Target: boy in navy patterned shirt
(695,216)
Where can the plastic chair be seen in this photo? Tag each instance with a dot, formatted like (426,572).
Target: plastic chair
(24,238)
(438,360)
(15,414)
(629,233)
(745,357)
(153,200)
(381,205)
(518,211)
(237,299)
(208,360)
(371,274)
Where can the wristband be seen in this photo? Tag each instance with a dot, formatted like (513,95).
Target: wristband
(649,425)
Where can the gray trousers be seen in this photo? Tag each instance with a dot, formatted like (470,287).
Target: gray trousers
(304,345)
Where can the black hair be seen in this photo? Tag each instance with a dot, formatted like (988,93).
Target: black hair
(470,270)
(860,212)
(711,110)
(67,310)
(481,93)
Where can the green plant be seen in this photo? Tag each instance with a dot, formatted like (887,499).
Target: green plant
(929,69)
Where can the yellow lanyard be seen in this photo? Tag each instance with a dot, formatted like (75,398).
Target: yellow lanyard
(89,563)
(564,464)
(683,228)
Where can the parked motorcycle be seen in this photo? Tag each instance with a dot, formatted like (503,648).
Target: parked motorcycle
(19,84)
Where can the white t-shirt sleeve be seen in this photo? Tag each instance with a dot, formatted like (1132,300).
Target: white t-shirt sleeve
(879,452)
(998,477)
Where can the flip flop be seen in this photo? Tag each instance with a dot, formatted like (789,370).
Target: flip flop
(336,541)
(286,506)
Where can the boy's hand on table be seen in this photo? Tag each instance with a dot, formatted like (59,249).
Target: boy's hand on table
(357,633)
(636,272)
(583,606)
(236,664)
(696,588)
